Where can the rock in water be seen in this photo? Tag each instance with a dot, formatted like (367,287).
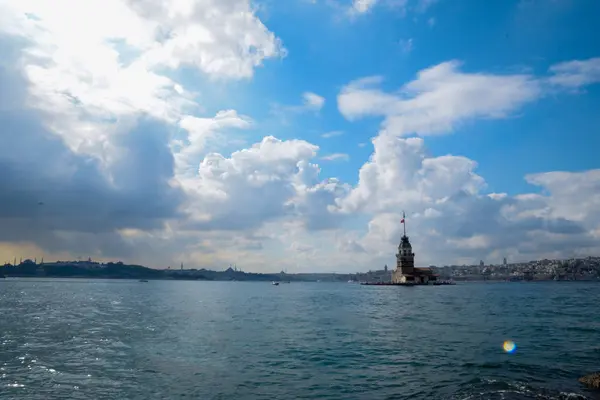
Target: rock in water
(591,381)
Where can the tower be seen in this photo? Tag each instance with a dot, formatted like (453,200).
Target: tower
(405,258)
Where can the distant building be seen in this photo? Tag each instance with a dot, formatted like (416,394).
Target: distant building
(385,268)
(504,261)
(405,264)
(481,263)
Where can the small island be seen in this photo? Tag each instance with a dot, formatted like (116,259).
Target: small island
(406,274)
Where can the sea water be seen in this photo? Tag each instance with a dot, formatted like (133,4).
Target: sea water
(116,339)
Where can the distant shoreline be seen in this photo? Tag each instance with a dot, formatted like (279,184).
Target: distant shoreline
(573,270)
(167,279)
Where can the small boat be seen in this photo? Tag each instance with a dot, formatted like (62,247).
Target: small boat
(143,280)
(275,283)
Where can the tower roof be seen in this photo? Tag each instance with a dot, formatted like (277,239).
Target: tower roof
(404,243)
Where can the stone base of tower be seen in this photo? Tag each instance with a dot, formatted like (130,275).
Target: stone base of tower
(420,276)
(399,277)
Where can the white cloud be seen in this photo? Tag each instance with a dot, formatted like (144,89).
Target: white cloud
(336,156)
(270,180)
(313,101)
(468,226)
(571,195)
(406,45)
(400,175)
(200,131)
(575,74)
(359,7)
(128,170)
(449,210)
(439,99)
(329,135)
(362,6)
(106,60)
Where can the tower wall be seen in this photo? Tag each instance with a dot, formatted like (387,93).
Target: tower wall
(405,262)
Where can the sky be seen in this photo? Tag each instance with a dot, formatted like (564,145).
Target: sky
(292,135)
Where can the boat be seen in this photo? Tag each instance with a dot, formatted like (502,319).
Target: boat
(143,280)
(441,283)
(275,283)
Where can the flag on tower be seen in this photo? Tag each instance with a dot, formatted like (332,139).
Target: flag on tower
(402,221)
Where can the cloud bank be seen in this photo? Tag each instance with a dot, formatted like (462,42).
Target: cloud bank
(104,151)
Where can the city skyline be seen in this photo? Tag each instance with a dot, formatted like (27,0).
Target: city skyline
(293,135)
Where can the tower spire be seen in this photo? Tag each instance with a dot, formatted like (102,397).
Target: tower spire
(404,222)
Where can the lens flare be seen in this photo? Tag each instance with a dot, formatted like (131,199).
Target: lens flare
(509,346)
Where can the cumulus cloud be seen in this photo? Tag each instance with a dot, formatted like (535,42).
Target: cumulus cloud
(110,60)
(465,225)
(400,174)
(63,200)
(106,151)
(221,38)
(200,131)
(449,208)
(249,188)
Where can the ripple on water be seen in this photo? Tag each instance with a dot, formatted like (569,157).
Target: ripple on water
(107,340)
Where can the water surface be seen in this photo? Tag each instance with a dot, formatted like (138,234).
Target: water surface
(111,339)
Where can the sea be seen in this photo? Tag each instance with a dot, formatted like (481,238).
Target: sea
(119,339)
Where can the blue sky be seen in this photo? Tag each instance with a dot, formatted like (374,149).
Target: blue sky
(217,132)
(500,37)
